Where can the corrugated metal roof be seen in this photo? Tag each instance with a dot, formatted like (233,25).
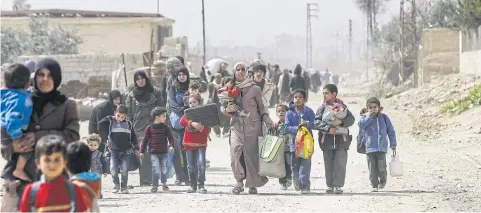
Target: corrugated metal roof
(77,13)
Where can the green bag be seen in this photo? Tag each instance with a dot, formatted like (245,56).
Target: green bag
(270,147)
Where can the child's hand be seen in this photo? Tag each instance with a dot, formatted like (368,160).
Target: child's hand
(336,122)
(393,148)
(332,131)
(171,149)
(141,155)
(248,114)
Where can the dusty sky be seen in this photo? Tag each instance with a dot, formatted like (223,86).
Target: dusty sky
(240,22)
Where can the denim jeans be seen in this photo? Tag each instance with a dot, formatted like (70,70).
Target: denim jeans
(287,165)
(120,161)
(301,171)
(159,168)
(180,161)
(196,165)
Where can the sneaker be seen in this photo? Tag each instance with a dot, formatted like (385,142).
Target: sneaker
(178,182)
(202,190)
(191,190)
(338,190)
(116,189)
(374,189)
(289,183)
(207,163)
(252,191)
(305,191)
(165,187)
(382,184)
(153,190)
(130,187)
(330,190)
(284,186)
(124,191)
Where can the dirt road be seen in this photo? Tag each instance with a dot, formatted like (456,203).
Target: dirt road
(436,179)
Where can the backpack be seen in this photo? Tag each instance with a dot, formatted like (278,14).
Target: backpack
(361,146)
(36,186)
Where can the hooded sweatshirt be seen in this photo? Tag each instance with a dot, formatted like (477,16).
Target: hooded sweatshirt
(91,184)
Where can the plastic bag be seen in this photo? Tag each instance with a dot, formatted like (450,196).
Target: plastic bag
(304,143)
(395,166)
(271,162)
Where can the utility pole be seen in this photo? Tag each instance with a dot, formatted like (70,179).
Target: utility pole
(203,34)
(368,28)
(350,45)
(408,62)
(311,12)
(158,12)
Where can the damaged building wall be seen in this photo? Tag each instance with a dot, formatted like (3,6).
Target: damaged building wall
(88,74)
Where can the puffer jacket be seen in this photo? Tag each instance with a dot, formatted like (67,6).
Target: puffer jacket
(376,131)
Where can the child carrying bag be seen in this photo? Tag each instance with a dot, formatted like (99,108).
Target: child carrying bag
(395,166)
(304,143)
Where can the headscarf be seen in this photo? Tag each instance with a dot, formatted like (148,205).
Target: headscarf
(40,99)
(244,83)
(173,63)
(184,86)
(113,95)
(142,94)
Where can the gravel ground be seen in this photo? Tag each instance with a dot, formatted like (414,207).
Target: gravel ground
(436,179)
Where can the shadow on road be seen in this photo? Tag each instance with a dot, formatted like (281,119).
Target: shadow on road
(412,192)
(111,205)
(160,192)
(218,169)
(114,199)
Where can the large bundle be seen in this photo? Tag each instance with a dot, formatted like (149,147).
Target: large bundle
(207,115)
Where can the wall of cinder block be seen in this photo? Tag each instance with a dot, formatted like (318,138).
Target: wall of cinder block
(440,52)
(88,74)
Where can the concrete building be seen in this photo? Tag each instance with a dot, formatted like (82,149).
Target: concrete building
(101,31)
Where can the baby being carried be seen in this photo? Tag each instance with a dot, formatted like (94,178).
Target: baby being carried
(227,96)
(336,111)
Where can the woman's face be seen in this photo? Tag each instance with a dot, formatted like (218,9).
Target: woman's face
(44,81)
(182,77)
(140,81)
(240,72)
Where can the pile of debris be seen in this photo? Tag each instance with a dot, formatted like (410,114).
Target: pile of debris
(423,104)
(86,105)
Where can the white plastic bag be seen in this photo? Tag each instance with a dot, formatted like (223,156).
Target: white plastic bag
(395,166)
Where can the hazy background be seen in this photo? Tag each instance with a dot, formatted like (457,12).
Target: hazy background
(277,28)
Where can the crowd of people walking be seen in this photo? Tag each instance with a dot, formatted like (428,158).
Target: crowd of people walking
(146,129)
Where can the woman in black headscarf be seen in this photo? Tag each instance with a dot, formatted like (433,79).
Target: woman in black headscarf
(141,101)
(53,113)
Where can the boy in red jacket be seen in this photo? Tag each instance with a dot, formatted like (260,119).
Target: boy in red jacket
(195,144)
(53,193)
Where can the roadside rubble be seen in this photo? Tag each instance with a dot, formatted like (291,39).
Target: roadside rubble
(423,104)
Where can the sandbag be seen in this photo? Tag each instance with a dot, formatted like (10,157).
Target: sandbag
(271,157)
